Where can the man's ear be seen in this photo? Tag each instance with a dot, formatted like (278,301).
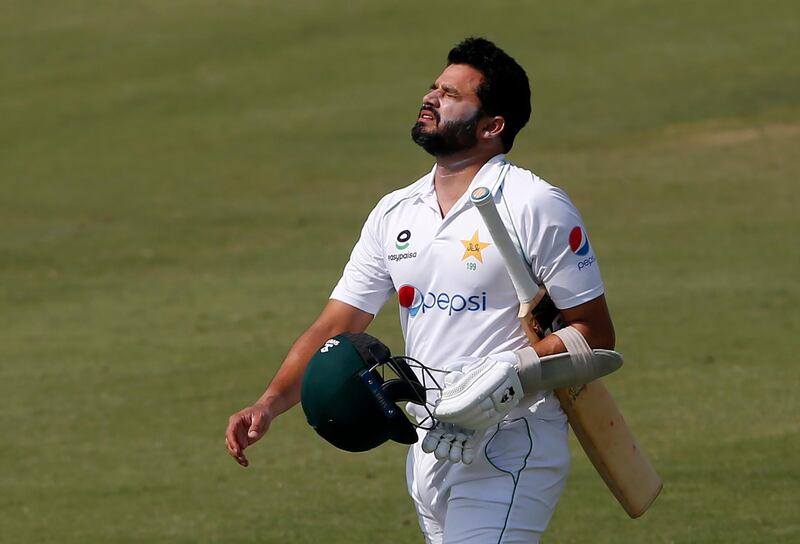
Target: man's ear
(491,127)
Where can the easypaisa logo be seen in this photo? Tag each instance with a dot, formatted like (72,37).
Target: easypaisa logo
(415,301)
(402,242)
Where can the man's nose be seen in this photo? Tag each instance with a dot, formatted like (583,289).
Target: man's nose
(432,98)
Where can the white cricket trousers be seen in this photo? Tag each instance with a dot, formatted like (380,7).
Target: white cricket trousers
(506,496)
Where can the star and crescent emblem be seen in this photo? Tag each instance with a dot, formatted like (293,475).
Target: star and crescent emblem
(473,247)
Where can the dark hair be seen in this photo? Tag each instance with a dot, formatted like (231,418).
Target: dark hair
(504,91)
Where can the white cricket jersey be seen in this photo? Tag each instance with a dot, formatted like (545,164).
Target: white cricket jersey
(456,298)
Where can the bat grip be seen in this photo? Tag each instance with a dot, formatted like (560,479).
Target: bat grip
(521,277)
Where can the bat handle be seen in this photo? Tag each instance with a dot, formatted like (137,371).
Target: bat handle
(521,277)
(480,196)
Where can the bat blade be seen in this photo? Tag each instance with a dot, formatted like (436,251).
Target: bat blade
(592,413)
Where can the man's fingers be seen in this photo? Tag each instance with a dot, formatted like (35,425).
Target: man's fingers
(442,450)
(241,436)
(236,437)
(237,454)
(451,443)
(455,451)
(468,454)
(256,428)
(245,428)
(431,440)
(242,460)
(230,434)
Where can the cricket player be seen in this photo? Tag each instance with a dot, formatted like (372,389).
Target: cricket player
(427,243)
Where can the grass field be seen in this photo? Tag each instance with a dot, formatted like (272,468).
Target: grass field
(181,185)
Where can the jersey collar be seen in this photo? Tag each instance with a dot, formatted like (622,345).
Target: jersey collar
(490,175)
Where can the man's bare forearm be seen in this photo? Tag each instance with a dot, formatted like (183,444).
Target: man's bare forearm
(591,319)
(283,391)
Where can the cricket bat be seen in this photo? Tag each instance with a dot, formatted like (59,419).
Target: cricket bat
(594,416)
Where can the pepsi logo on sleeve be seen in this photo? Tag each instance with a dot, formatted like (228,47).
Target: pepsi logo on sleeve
(578,241)
(579,244)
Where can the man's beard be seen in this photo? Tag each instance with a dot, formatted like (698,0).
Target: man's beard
(451,137)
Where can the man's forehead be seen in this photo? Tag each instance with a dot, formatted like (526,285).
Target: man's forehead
(463,77)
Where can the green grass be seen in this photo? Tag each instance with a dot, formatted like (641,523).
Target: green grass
(182,183)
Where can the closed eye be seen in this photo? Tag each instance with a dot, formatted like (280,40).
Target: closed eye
(449,90)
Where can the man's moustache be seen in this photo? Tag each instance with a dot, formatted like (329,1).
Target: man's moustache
(432,112)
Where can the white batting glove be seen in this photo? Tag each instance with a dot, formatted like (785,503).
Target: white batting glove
(450,442)
(480,397)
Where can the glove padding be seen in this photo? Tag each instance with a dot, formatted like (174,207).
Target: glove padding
(480,397)
(450,442)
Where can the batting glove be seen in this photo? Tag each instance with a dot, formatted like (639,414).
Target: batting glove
(480,397)
(450,442)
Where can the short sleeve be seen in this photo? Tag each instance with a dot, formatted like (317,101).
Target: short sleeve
(365,282)
(561,255)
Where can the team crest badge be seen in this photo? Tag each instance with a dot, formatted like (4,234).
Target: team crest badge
(473,247)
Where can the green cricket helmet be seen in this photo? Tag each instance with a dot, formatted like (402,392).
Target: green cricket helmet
(348,400)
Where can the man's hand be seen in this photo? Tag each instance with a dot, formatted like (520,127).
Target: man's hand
(481,395)
(246,427)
